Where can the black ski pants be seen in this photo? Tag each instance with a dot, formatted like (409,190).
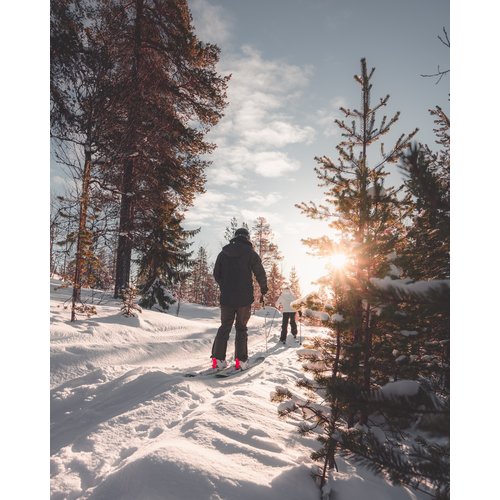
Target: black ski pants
(228,315)
(284,325)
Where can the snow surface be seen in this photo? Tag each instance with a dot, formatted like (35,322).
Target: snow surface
(401,388)
(418,287)
(126,424)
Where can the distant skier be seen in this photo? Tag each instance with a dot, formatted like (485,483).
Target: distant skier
(284,302)
(233,271)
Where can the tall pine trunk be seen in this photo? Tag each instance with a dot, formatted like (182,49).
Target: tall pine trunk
(126,226)
(82,239)
(124,250)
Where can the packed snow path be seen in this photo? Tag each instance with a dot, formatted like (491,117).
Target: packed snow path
(126,424)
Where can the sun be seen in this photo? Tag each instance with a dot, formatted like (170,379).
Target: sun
(338,260)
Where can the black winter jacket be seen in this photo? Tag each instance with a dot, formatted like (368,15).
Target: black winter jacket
(233,272)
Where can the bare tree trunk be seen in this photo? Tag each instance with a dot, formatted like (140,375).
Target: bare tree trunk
(53,231)
(124,250)
(126,226)
(82,239)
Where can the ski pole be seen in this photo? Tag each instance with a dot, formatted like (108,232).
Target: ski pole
(265,329)
(272,321)
(265,319)
(300,328)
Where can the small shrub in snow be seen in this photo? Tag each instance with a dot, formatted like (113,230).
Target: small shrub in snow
(129,307)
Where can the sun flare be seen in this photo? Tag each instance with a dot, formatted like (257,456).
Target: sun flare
(338,260)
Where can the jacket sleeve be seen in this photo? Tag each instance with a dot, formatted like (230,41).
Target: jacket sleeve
(260,273)
(217,269)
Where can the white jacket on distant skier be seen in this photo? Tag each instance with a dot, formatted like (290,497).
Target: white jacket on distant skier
(285,300)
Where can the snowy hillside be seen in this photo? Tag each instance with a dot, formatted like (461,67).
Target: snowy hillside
(126,424)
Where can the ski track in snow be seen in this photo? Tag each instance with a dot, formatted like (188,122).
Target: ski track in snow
(126,424)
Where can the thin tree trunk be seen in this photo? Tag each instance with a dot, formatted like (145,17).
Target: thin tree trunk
(124,250)
(82,229)
(367,369)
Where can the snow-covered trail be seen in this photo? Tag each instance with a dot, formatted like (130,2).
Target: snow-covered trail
(116,435)
(152,339)
(127,424)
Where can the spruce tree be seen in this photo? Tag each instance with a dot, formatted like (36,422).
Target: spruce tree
(368,216)
(231,229)
(426,252)
(294,282)
(164,257)
(365,213)
(262,239)
(275,282)
(202,288)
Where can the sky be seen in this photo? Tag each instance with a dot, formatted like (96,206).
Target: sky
(292,64)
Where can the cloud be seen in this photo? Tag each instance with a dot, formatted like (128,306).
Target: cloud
(259,94)
(274,164)
(209,207)
(275,220)
(278,134)
(232,164)
(211,22)
(326,117)
(264,201)
(259,119)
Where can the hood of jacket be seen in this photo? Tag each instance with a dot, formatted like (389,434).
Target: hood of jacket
(237,247)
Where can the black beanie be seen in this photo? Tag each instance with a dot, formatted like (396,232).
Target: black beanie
(242,232)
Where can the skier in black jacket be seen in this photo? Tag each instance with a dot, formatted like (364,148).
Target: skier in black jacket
(233,273)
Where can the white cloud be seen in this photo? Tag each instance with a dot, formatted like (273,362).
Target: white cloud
(210,206)
(274,164)
(211,22)
(326,117)
(275,220)
(278,134)
(232,165)
(225,176)
(264,200)
(258,119)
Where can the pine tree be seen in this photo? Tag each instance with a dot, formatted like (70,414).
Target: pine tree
(369,218)
(202,288)
(364,212)
(134,88)
(275,282)
(409,330)
(426,252)
(294,282)
(231,229)
(129,308)
(262,239)
(164,257)
(170,96)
